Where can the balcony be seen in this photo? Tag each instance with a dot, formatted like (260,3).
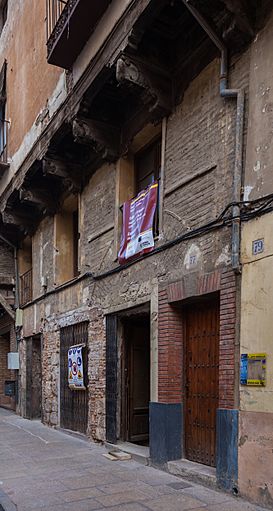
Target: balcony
(3,146)
(26,287)
(70,23)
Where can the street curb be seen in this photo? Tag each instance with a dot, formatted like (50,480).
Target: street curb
(5,503)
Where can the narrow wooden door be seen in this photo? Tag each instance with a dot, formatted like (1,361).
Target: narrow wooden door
(138,385)
(73,403)
(201,371)
(36,378)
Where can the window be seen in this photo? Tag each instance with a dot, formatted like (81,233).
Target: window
(147,170)
(140,167)
(25,269)
(148,165)
(3,13)
(67,241)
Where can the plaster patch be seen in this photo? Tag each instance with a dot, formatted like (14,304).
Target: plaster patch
(247,191)
(85,294)
(224,257)
(47,310)
(257,166)
(193,257)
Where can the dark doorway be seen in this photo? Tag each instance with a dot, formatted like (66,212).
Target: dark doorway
(136,380)
(36,378)
(201,379)
(73,403)
(33,377)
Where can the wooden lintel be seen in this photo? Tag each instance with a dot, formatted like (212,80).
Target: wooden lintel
(157,86)
(103,138)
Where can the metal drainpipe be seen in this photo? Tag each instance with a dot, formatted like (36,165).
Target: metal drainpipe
(225,92)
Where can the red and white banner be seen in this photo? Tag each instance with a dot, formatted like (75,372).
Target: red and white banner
(137,227)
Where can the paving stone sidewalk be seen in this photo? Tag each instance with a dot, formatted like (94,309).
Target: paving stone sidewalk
(45,469)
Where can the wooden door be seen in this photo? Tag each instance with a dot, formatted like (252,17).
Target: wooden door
(201,381)
(138,382)
(73,403)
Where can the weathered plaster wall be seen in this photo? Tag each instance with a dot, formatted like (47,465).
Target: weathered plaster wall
(256,403)
(255,457)
(259,155)
(211,120)
(256,309)
(34,88)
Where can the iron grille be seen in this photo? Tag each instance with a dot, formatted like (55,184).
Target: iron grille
(73,403)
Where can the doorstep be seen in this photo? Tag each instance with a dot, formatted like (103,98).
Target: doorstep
(192,471)
(139,453)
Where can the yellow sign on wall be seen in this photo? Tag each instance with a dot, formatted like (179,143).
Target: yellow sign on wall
(253,369)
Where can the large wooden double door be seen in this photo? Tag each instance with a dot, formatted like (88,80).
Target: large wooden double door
(201,380)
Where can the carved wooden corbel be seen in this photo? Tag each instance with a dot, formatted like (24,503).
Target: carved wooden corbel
(103,138)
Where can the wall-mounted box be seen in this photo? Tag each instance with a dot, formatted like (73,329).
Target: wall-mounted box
(253,369)
(13,360)
(10,388)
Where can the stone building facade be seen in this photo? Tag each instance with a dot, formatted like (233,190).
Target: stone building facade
(137,90)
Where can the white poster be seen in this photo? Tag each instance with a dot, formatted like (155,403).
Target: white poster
(75,368)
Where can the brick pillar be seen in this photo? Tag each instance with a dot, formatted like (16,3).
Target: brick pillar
(166,415)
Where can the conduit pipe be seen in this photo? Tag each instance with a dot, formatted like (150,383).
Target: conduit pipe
(239,94)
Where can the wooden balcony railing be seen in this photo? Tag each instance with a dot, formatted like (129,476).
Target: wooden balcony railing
(54,9)
(26,287)
(69,26)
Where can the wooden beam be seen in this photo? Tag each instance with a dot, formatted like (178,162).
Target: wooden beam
(242,15)
(103,138)
(157,85)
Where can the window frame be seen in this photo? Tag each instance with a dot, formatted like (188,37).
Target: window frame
(156,145)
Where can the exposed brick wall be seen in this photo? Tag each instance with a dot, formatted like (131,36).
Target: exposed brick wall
(170,335)
(6,260)
(227,339)
(5,373)
(170,351)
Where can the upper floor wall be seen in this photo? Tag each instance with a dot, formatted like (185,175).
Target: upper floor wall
(259,149)
(33,87)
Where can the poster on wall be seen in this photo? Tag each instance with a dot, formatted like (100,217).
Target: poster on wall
(137,226)
(75,368)
(253,369)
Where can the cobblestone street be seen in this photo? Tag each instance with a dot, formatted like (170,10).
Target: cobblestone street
(44,469)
